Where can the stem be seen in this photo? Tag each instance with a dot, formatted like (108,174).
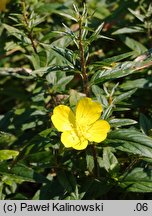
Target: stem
(30,35)
(83,61)
(96,167)
(86,89)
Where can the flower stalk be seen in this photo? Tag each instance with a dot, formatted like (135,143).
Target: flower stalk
(96,167)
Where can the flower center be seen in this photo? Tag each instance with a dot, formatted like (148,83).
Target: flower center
(81,131)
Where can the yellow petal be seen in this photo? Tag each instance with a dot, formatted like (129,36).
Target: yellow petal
(87,111)
(81,145)
(71,139)
(63,118)
(98,131)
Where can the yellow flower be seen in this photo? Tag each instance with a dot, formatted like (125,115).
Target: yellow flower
(3,4)
(83,126)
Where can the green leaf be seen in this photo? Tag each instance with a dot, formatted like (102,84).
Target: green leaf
(123,96)
(67,15)
(137,14)
(51,7)
(46,132)
(95,188)
(136,46)
(114,59)
(36,20)
(128,30)
(145,123)
(8,154)
(90,162)
(60,85)
(67,180)
(52,190)
(39,157)
(110,161)
(145,83)
(121,122)
(58,80)
(38,60)
(96,33)
(71,34)
(98,92)
(64,81)
(138,180)
(74,97)
(22,173)
(75,195)
(63,41)
(6,138)
(50,35)
(4,123)
(2,196)
(17,33)
(107,112)
(44,71)
(35,60)
(66,54)
(121,70)
(131,141)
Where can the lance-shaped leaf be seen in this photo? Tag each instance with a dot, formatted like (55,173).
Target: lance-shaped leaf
(113,59)
(121,70)
(137,15)
(123,96)
(138,180)
(145,123)
(145,83)
(96,33)
(139,48)
(110,161)
(127,30)
(131,141)
(17,33)
(67,180)
(67,15)
(121,122)
(22,173)
(66,54)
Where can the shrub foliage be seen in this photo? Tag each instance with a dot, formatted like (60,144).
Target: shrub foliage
(54,53)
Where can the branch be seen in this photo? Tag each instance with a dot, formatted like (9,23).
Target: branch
(30,35)
(83,61)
